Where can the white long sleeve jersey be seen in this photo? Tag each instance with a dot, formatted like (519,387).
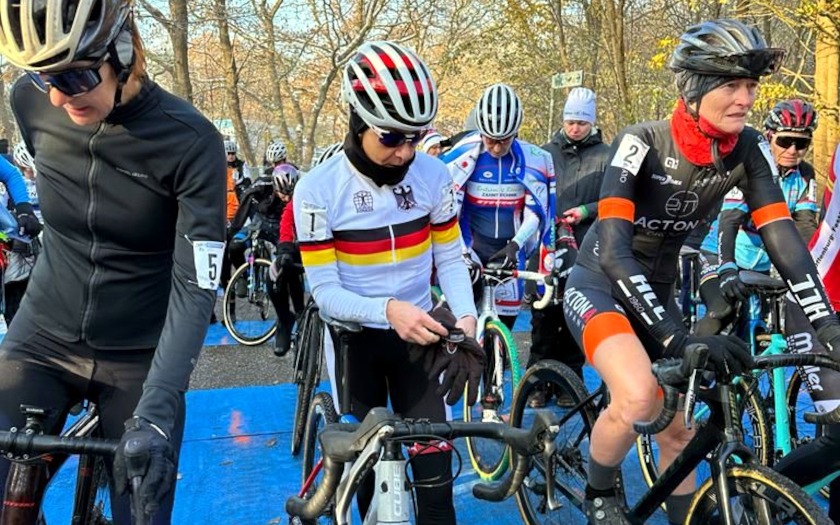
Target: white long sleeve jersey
(364,244)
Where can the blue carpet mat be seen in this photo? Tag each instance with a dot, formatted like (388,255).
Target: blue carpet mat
(236,467)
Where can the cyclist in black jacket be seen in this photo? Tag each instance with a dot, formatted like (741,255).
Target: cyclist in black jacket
(663,178)
(132,185)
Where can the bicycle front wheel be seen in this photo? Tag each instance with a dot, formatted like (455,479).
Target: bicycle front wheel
(321,413)
(572,454)
(249,314)
(310,350)
(99,496)
(798,403)
(489,457)
(757,495)
(755,422)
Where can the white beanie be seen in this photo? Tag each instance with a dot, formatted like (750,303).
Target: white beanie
(580,105)
(433,138)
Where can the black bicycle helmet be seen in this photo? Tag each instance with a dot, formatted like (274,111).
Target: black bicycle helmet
(726,48)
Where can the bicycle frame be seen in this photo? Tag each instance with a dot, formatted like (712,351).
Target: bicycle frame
(83,427)
(257,251)
(390,505)
(487,313)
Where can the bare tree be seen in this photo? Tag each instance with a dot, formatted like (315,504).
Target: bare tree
(177,26)
(826,76)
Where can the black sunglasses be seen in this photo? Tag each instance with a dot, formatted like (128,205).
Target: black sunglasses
(72,82)
(395,139)
(801,143)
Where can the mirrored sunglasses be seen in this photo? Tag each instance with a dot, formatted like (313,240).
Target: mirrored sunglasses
(72,82)
(395,139)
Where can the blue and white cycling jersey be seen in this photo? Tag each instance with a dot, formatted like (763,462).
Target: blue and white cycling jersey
(799,189)
(13,181)
(493,198)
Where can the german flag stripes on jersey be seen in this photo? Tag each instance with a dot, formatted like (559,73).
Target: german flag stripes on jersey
(380,245)
(362,244)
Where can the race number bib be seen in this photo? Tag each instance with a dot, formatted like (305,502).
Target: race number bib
(314,223)
(208,263)
(630,155)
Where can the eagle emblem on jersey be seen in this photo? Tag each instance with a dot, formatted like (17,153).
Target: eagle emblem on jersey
(405,198)
(363,200)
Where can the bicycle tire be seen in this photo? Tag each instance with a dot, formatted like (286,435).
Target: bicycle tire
(99,499)
(771,496)
(311,347)
(258,300)
(761,441)
(490,458)
(572,445)
(321,412)
(795,409)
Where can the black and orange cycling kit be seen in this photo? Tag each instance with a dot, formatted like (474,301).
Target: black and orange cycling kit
(651,199)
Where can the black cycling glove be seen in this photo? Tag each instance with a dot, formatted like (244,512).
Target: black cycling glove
(829,336)
(507,256)
(156,467)
(727,353)
(29,224)
(731,287)
(461,362)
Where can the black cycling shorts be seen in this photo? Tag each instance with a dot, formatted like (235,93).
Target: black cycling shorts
(593,311)
(37,368)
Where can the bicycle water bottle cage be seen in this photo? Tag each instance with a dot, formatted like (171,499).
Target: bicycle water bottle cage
(343,447)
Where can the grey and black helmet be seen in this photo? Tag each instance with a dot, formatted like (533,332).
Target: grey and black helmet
(727,48)
(47,35)
(498,113)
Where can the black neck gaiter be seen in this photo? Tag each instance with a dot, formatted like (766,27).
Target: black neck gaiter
(380,175)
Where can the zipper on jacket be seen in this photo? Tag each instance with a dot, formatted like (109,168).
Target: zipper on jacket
(88,310)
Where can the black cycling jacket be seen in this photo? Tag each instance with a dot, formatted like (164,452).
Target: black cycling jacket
(260,203)
(122,202)
(653,197)
(578,171)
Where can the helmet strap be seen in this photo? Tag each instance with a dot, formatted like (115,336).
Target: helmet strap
(121,58)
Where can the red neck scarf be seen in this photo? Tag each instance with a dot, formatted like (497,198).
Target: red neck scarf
(694,137)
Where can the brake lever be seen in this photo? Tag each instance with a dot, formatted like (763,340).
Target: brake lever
(691,398)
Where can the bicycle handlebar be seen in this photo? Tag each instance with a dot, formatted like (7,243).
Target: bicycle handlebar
(20,444)
(525,275)
(672,375)
(343,441)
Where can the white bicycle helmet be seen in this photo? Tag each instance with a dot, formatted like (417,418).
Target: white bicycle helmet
(331,150)
(41,35)
(276,152)
(22,157)
(390,87)
(498,113)
(284,177)
(230,147)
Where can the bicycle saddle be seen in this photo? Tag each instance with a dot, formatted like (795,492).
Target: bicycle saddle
(688,250)
(343,446)
(763,283)
(338,325)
